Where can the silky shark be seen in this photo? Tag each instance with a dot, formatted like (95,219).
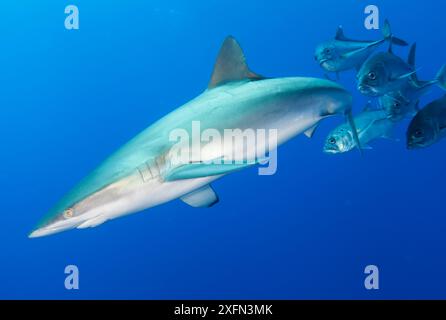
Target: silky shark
(142,175)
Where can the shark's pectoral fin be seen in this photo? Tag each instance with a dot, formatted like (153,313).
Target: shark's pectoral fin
(310,132)
(204,197)
(200,170)
(231,65)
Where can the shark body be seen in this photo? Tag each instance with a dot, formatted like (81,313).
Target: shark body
(142,174)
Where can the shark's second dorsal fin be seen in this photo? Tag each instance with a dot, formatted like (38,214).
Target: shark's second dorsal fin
(231,65)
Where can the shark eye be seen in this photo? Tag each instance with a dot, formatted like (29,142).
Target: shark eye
(68,213)
(372,75)
(327,50)
(332,141)
(397,104)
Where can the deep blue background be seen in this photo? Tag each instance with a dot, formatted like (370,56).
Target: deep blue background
(70,98)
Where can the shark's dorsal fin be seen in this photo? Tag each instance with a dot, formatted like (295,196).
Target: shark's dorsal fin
(231,65)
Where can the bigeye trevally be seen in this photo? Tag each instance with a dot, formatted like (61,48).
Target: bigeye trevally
(142,175)
(428,126)
(404,102)
(385,72)
(343,54)
(371,125)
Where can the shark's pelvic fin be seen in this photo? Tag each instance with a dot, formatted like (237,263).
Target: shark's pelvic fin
(204,197)
(231,65)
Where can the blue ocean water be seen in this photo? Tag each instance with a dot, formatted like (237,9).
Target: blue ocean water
(70,98)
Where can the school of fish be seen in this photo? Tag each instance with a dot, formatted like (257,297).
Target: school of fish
(393,83)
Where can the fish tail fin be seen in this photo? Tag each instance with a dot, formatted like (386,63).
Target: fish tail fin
(352,124)
(441,77)
(388,36)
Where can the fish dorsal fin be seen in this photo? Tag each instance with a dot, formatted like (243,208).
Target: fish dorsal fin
(231,65)
(412,55)
(340,34)
(390,50)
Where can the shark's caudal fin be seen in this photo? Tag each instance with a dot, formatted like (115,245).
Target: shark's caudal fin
(231,65)
(352,124)
(388,36)
(441,77)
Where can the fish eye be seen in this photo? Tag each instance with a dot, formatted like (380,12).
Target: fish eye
(418,133)
(327,50)
(332,141)
(397,104)
(372,75)
(68,213)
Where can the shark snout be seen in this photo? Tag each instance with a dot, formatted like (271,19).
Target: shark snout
(52,228)
(41,232)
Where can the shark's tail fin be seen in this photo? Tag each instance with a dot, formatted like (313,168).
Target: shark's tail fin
(441,77)
(388,36)
(352,124)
